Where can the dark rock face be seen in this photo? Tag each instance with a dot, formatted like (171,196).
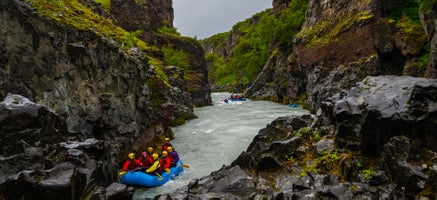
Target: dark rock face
(23,122)
(226,183)
(101,90)
(379,108)
(148,15)
(377,142)
(48,162)
(269,147)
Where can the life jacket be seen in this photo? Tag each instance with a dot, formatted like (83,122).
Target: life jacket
(164,162)
(170,156)
(130,164)
(165,146)
(147,161)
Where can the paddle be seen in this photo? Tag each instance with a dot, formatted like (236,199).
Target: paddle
(185,166)
(160,177)
(124,172)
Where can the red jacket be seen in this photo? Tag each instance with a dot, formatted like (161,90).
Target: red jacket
(147,161)
(171,157)
(164,162)
(131,164)
(165,146)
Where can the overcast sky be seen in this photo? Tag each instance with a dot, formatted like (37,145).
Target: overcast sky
(203,18)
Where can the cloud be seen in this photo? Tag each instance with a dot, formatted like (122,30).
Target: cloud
(203,18)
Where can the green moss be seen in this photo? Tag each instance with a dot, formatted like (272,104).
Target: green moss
(105,3)
(73,13)
(159,68)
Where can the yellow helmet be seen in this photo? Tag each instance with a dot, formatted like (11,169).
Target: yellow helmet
(164,153)
(155,156)
(150,149)
(131,156)
(169,149)
(167,139)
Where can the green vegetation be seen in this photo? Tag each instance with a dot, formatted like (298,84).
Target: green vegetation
(73,13)
(309,168)
(251,52)
(406,17)
(409,9)
(368,173)
(218,40)
(426,5)
(423,61)
(129,39)
(169,30)
(176,57)
(105,3)
(306,132)
(159,68)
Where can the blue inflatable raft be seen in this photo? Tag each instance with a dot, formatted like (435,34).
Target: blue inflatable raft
(137,178)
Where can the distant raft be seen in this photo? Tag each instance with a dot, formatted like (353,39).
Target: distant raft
(137,178)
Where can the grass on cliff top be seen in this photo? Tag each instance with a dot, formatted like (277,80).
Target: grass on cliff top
(73,13)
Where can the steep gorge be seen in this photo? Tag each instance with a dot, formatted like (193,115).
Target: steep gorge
(101,89)
(105,82)
(338,44)
(359,66)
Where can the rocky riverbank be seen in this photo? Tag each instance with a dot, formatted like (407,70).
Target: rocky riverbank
(374,141)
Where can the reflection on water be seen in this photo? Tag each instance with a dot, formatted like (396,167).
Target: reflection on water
(216,138)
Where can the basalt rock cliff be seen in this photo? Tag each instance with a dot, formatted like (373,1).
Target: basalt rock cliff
(98,92)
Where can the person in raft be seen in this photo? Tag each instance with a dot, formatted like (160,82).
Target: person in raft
(131,163)
(166,144)
(146,160)
(174,156)
(164,162)
(155,167)
(150,152)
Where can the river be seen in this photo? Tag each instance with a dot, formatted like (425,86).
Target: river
(217,137)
